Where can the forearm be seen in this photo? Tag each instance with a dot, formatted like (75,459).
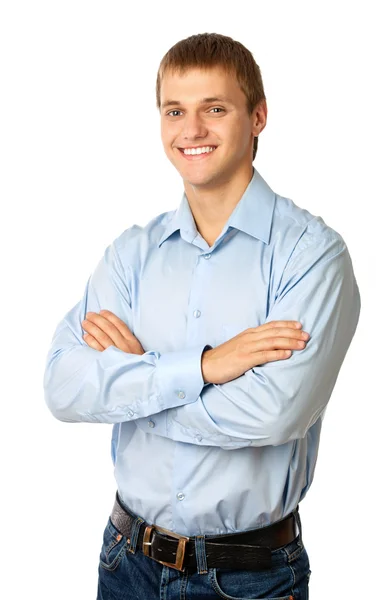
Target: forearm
(279,401)
(84,384)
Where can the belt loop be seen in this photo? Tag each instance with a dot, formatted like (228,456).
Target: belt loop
(201,556)
(134,534)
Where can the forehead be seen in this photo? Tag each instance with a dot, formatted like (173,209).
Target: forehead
(194,84)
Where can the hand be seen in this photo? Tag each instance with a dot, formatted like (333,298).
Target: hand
(105,329)
(252,347)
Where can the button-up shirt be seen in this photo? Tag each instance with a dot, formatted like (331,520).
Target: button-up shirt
(196,457)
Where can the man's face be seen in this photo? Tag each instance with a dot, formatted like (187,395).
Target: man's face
(206,109)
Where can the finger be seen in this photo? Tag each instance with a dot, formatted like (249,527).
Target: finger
(119,324)
(290,324)
(277,332)
(104,331)
(99,332)
(92,342)
(280,343)
(270,356)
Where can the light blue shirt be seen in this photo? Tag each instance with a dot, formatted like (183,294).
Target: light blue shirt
(205,458)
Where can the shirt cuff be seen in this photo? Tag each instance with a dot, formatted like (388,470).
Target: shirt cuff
(179,376)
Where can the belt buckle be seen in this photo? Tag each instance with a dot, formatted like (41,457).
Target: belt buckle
(182,540)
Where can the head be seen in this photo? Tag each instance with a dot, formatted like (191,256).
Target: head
(210,94)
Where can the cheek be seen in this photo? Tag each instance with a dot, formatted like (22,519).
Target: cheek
(169,133)
(165,137)
(239,130)
(239,133)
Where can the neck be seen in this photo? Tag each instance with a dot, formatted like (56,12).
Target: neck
(212,206)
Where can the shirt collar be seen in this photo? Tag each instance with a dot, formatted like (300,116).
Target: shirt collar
(252,214)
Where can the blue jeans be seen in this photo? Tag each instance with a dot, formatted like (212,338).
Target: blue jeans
(127,575)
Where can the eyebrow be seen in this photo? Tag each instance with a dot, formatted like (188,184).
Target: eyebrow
(203,101)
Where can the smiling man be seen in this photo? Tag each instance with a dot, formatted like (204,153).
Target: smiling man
(211,339)
(209,138)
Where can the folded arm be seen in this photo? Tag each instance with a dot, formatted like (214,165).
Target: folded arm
(83,384)
(274,403)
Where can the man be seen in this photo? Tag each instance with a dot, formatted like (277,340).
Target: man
(211,339)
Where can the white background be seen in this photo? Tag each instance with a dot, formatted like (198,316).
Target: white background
(81,160)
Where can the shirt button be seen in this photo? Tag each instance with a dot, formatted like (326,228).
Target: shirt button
(199,437)
(197,314)
(130,413)
(206,256)
(181,395)
(151,424)
(180,496)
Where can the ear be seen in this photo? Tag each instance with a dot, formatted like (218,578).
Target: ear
(259,117)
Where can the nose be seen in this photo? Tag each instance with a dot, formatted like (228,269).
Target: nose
(193,127)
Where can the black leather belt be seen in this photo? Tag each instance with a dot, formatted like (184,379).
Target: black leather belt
(244,550)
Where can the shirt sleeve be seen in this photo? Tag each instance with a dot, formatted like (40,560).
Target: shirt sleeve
(279,401)
(111,386)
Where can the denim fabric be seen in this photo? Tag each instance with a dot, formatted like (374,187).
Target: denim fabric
(123,575)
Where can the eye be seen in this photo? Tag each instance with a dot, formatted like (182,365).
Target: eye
(170,113)
(217,108)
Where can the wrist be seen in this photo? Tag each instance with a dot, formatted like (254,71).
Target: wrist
(204,363)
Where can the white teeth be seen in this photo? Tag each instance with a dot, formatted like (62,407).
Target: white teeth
(203,150)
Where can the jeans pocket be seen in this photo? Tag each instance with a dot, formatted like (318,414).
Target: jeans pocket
(113,547)
(274,584)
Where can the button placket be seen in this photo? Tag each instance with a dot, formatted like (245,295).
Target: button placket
(202,276)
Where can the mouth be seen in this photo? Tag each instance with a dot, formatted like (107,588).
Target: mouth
(199,153)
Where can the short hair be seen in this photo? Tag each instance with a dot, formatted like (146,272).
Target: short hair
(207,50)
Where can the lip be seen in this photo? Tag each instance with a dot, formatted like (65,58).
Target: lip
(196,156)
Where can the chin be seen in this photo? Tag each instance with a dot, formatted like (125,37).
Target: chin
(198,181)
(204,177)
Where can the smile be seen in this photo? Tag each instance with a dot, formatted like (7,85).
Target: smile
(197,153)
